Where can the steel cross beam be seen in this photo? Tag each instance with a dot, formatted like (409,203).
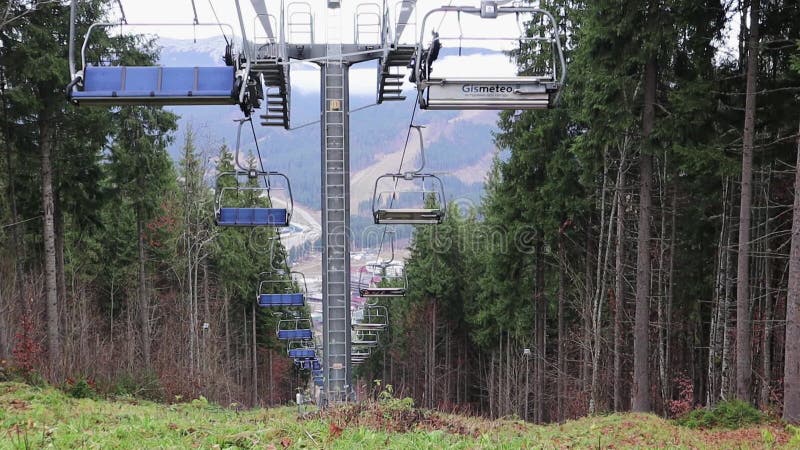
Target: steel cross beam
(263,16)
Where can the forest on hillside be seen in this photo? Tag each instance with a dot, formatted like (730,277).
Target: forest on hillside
(111,267)
(639,240)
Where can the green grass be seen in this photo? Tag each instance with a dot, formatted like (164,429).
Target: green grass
(44,417)
(731,414)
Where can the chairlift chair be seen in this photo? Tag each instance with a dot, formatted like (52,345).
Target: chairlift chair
(318,381)
(367,338)
(303,364)
(295,328)
(382,280)
(261,185)
(302,349)
(111,85)
(408,199)
(412,197)
(360,351)
(490,93)
(281,289)
(309,364)
(229,214)
(371,318)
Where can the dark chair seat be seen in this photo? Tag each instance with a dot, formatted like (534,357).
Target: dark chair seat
(411,216)
(382,292)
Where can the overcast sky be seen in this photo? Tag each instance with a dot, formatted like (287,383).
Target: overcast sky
(363,76)
(181,11)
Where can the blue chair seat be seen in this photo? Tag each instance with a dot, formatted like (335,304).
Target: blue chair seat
(294,334)
(302,353)
(318,382)
(297,299)
(316,366)
(316,372)
(154,85)
(252,217)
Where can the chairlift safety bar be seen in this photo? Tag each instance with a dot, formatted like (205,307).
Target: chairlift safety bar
(138,24)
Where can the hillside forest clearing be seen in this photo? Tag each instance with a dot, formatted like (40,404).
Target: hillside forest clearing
(633,248)
(34,417)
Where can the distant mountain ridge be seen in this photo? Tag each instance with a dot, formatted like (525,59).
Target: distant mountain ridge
(456,142)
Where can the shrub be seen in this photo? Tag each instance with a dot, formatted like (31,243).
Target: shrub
(81,389)
(730,414)
(683,404)
(794,432)
(145,387)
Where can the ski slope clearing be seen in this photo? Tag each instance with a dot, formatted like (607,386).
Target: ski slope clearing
(33,417)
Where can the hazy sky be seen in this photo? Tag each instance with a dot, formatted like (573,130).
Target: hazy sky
(362,77)
(181,11)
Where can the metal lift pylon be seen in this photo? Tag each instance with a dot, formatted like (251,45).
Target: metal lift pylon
(334,125)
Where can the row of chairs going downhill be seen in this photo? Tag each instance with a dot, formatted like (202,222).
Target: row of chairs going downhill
(368,323)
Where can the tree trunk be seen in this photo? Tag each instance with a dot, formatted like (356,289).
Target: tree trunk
(541,324)
(269,380)
(586,347)
(744,363)
(144,302)
(206,322)
(17,250)
(619,291)
(791,374)
(719,313)
(226,308)
(61,280)
(562,369)
(190,303)
(255,358)
(670,293)
(641,373)
(727,329)
(603,254)
(766,349)
(50,279)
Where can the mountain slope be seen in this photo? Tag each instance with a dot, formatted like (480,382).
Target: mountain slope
(457,143)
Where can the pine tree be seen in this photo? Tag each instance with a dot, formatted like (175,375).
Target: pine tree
(142,174)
